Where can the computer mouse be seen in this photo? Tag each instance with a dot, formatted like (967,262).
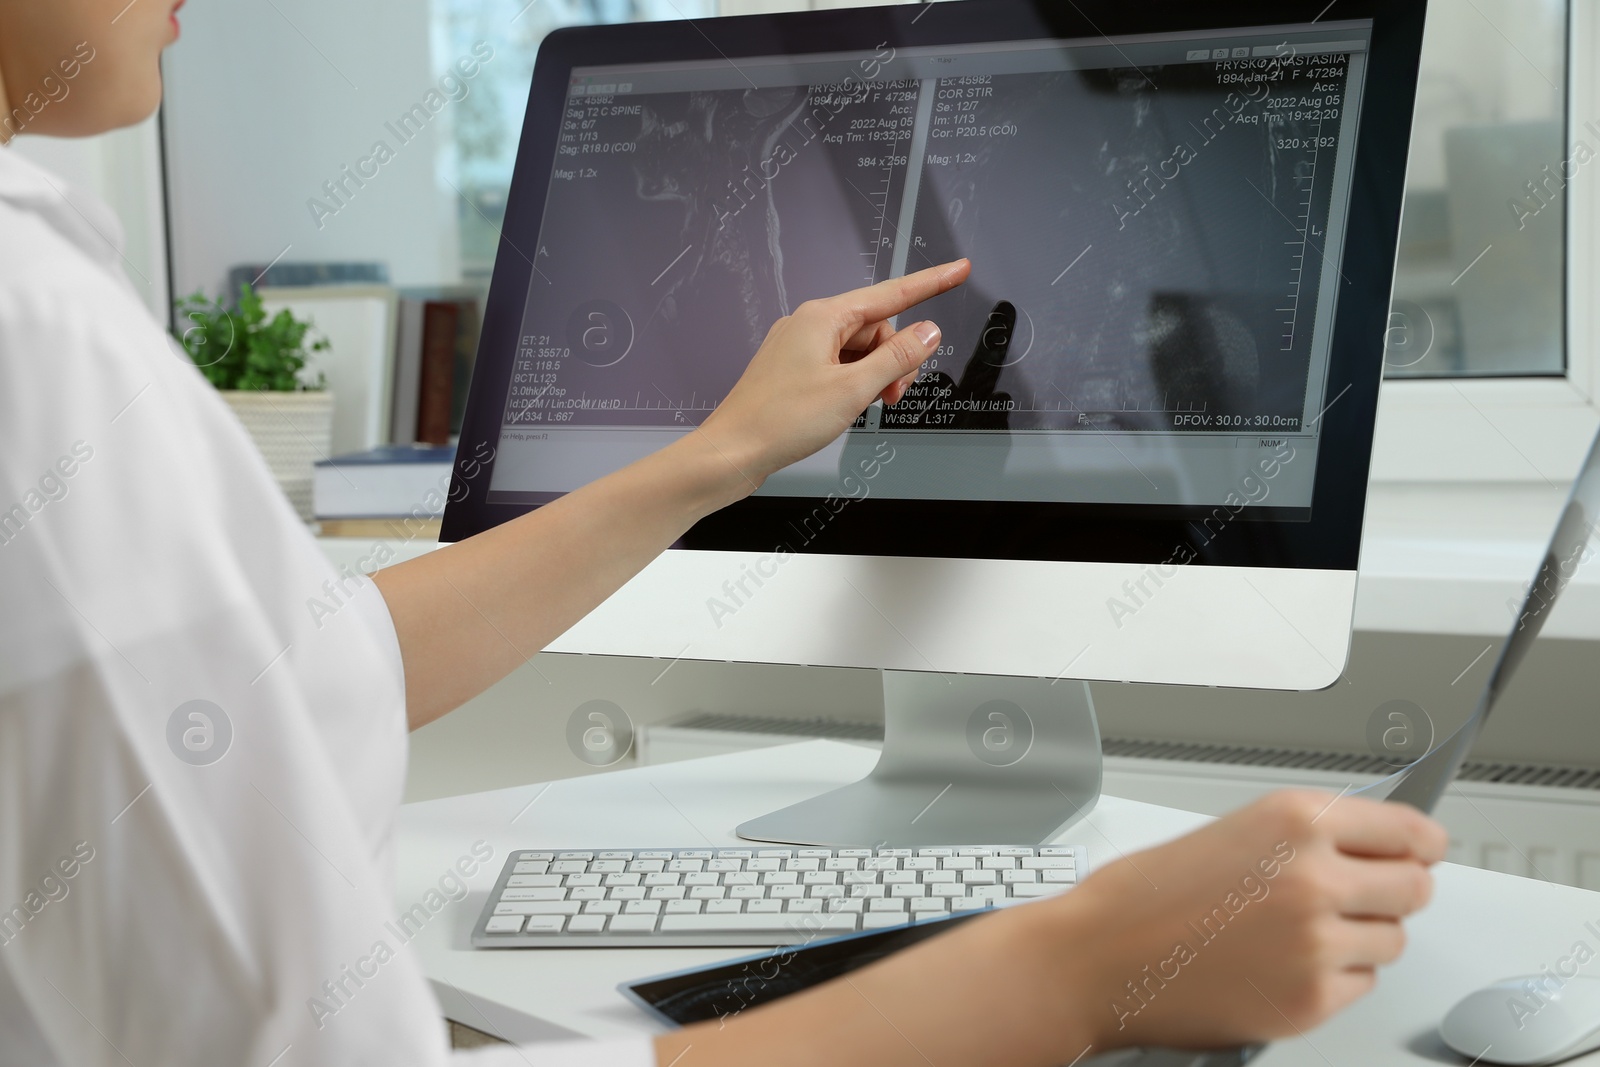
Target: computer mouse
(1541,1018)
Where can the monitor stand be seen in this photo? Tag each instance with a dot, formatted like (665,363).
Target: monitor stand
(967,760)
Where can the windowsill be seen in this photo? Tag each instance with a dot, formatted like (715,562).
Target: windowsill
(1446,559)
(1436,559)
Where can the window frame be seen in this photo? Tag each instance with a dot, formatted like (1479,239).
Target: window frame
(1516,429)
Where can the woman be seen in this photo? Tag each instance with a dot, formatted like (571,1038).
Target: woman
(158,907)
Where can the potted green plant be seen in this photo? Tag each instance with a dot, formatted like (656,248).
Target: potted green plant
(258,363)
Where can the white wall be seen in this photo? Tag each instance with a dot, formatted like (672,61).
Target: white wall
(266,102)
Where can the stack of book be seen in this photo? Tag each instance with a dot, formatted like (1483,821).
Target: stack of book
(395,492)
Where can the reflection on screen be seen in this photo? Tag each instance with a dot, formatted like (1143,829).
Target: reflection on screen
(1154,227)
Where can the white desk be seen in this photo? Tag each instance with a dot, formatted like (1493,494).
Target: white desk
(1481,927)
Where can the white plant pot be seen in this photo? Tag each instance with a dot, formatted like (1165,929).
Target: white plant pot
(293,431)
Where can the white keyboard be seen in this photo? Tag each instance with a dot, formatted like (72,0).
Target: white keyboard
(637,898)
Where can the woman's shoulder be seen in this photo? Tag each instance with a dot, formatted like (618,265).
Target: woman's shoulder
(57,243)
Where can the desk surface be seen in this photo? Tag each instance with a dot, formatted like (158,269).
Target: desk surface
(1481,927)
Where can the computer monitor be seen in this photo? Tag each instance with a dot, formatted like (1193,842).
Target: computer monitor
(1141,453)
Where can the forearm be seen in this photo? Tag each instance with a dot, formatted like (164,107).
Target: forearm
(468,615)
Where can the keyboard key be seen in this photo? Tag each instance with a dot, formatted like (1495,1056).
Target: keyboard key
(666,892)
(958,863)
(919,863)
(859,877)
(748,923)
(998,863)
(1013,877)
(905,891)
(584,856)
(607,866)
(658,854)
(602,907)
(642,907)
(585,879)
(720,864)
(545,857)
(936,852)
(1029,890)
(1058,850)
(808,863)
(979,877)
(619,879)
(841,863)
(637,924)
(614,855)
(899,877)
(883,919)
(707,892)
(930,916)
(586,924)
(733,853)
(762,907)
(779,878)
(681,866)
(837,904)
(747,892)
(1061,876)
(647,866)
(551,893)
(820,878)
(814,853)
(625,892)
(786,892)
(548,907)
(741,878)
(695,854)
(927,906)
(665,878)
(529,881)
(503,924)
(894,852)
(544,924)
(932,877)
(886,904)
(763,865)
(531,868)
(968,904)
(868,890)
(975,850)
(569,866)
(682,907)
(774,853)
(701,878)
(1017,853)
(724,907)
(805,904)
(880,863)
(1049,863)
(584,892)
(859,853)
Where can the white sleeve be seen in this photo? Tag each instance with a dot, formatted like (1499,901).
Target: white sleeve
(157,908)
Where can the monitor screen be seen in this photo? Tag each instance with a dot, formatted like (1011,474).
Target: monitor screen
(1155,222)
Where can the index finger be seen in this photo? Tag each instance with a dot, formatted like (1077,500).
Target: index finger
(887,299)
(1362,827)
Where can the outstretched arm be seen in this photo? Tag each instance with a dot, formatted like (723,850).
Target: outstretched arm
(467,616)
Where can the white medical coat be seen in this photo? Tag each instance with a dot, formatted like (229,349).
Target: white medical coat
(160,906)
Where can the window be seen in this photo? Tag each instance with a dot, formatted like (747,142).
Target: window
(489,123)
(1480,284)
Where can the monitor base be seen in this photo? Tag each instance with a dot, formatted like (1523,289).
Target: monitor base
(967,760)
